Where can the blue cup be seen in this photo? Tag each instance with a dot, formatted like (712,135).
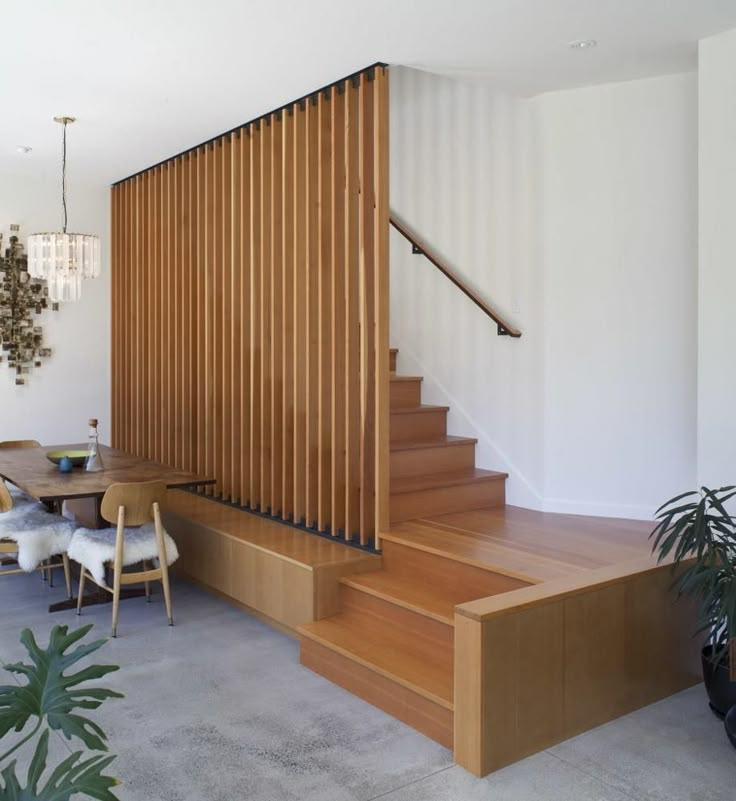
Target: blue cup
(65,465)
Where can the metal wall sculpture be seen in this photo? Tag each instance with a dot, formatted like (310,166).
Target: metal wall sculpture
(21,296)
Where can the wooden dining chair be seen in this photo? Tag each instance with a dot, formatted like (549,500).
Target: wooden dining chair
(20,443)
(138,538)
(36,539)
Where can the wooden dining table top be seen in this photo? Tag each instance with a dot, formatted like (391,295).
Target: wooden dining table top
(32,472)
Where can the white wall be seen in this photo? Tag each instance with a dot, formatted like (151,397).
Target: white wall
(717,261)
(574,214)
(461,163)
(619,244)
(74,383)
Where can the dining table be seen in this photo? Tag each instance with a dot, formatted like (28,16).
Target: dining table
(30,470)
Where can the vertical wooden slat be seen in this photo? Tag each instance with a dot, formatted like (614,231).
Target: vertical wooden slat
(352,312)
(324,369)
(367,310)
(287,305)
(201,311)
(276,312)
(235,432)
(337,309)
(176,293)
(312,301)
(300,312)
(246,345)
(255,311)
(191,310)
(381,300)
(266,383)
(148,281)
(226,323)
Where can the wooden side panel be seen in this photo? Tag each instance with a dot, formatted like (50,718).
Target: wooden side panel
(249,311)
(560,660)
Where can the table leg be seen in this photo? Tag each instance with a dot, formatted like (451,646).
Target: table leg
(96,596)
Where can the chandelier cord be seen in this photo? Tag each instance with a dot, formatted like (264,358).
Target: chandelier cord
(63,175)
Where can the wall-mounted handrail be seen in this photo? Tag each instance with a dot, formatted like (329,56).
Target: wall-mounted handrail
(418,247)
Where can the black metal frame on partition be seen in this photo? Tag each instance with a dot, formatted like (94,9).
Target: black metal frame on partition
(301,101)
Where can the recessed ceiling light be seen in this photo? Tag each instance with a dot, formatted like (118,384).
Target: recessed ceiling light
(582,44)
(23,149)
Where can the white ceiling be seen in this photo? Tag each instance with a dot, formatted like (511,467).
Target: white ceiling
(149,78)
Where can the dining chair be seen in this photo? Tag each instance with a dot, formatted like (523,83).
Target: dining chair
(37,539)
(138,538)
(19,496)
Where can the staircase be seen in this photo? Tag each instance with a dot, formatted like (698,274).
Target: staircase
(393,642)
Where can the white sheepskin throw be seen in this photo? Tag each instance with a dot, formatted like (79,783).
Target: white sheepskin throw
(94,547)
(38,535)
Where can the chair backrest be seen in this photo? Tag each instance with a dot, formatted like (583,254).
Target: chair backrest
(20,443)
(6,499)
(136,498)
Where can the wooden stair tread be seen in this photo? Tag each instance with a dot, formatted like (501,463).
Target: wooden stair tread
(416,595)
(448,440)
(385,653)
(451,479)
(486,555)
(424,408)
(398,378)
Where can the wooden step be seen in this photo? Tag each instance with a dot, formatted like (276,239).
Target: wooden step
(384,669)
(432,456)
(441,493)
(379,613)
(393,352)
(417,423)
(448,573)
(413,592)
(406,391)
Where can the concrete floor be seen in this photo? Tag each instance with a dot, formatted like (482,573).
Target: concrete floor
(219,709)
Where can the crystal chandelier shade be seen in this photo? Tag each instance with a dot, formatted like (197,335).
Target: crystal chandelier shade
(64,259)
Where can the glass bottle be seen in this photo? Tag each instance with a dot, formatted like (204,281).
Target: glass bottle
(93,463)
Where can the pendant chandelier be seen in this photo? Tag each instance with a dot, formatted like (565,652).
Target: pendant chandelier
(64,260)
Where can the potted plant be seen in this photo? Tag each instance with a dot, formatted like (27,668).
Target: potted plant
(48,701)
(697,532)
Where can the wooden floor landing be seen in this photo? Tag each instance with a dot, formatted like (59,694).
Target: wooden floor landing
(526,544)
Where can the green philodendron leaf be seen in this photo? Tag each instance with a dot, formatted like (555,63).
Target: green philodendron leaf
(48,692)
(71,777)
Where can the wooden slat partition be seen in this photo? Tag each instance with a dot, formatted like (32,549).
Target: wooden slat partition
(250,311)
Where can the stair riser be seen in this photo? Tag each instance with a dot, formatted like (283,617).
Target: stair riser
(381,616)
(405,394)
(418,426)
(438,571)
(440,459)
(444,500)
(422,714)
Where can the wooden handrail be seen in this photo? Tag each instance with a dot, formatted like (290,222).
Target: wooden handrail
(418,247)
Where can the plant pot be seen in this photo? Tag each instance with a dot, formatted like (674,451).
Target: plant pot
(721,690)
(730,724)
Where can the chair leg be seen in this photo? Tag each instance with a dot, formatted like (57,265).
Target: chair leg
(80,596)
(117,570)
(51,573)
(67,575)
(44,572)
(164,564)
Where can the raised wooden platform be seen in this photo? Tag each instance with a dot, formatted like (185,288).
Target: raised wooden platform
(501,631)
(282,573)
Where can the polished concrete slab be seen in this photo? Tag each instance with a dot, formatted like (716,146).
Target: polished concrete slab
(218,708)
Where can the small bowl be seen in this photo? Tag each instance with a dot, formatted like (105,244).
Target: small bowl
(77,458)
